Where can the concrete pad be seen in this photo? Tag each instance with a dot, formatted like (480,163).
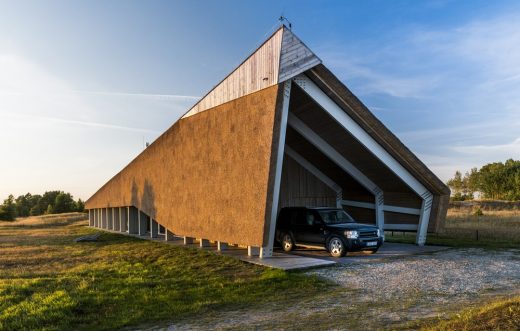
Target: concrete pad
(287,261)
(388,250)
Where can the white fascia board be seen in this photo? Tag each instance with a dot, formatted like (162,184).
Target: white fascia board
(312,169)
(331,153)
(358,132)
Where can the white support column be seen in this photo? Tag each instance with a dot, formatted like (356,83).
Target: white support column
(268,251)
(221,246)
(128,225)
(422,229)
(112,218)
(380,214)
(339,199)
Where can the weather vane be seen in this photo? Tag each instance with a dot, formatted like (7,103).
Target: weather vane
(283,18)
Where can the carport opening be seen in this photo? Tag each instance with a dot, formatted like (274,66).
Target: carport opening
(312,177)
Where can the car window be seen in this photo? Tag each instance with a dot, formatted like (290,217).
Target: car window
(335,216)
(309,218)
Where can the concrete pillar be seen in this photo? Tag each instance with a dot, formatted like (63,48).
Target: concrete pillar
(144,223)
(168,235)
(116,219)
(154,228)
(188,240)
(133,220)
(203,243)
(94,213)
(90,220)
(252,251)
(221,246)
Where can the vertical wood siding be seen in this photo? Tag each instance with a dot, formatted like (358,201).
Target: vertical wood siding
(301,188)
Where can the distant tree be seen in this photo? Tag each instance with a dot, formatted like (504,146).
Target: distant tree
(64,203)
(456,185)
(471,181)
(8,209)
(49,210)
(24,205)
(80,206)
(48,198)
(35,206)
(497,180)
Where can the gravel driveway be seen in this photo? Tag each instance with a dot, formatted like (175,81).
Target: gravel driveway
(382,293)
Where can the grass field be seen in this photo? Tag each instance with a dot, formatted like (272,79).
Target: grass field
(502,314)
(494,229)
(48,282)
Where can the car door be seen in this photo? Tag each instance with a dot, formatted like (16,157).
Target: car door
(298,224)
(313,228)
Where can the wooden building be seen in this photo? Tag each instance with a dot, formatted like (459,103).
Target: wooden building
(280,130)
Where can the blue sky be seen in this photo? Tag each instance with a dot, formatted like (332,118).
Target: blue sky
(84,83)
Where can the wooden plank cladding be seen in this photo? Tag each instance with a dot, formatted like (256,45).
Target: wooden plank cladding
(280,58)
(207,176)
(258,71)
(295,57)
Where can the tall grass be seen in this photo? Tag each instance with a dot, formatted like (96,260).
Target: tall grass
(463,228)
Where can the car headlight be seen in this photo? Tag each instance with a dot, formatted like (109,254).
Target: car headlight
(378,233)
(351,234)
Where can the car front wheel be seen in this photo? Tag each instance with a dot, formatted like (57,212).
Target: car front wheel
(287,242)
(336,247)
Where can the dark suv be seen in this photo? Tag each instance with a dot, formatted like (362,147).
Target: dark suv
(333,228)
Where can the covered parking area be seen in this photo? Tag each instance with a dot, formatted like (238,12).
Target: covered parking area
(332,160)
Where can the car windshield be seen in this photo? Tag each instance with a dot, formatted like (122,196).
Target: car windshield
(333,216)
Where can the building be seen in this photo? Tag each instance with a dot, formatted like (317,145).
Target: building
(280,130)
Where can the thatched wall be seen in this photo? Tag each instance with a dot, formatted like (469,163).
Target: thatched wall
(208,176)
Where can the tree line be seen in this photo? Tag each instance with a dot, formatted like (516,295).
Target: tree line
(497,181)
(51,202)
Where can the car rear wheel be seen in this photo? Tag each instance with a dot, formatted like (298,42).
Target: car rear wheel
(336,247)
(287,242)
